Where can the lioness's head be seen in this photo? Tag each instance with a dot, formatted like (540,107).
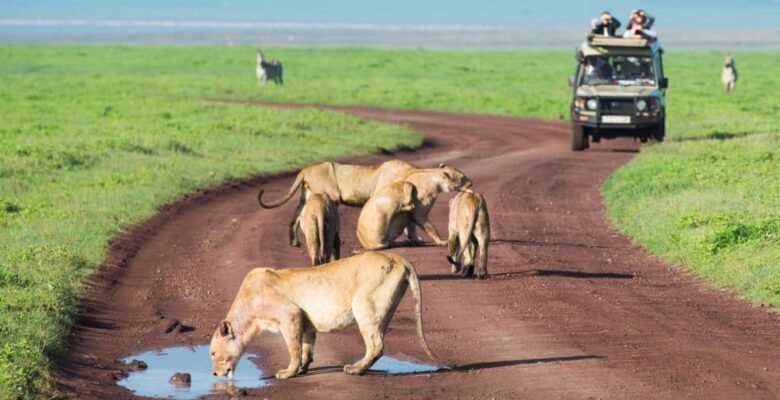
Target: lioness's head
(453,179)
(225,350)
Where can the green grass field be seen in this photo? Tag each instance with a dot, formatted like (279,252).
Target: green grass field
(94,138)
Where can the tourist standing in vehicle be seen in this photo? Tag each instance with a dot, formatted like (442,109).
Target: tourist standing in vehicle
(605,25)
(640,17)
(639,26)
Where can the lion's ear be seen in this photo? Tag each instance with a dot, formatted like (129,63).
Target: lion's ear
(226,329)
(447,175)
(442,165)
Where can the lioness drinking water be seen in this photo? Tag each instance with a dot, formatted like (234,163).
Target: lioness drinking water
(299,302)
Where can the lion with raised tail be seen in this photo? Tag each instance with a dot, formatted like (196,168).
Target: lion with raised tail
(300,302)
(351,185)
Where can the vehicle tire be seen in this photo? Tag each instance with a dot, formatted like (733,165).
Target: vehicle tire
(660,131)
(578,138)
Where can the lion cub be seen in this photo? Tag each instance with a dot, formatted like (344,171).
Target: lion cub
(469,228)
(319,221)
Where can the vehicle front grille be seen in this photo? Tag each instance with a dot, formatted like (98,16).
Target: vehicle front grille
(616,106)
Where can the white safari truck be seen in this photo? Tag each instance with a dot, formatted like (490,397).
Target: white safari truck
(618,91)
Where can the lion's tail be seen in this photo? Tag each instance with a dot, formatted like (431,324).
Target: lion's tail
(414,285)
(298,182)
(321,233)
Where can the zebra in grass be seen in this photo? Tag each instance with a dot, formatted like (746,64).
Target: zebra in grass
(268,70)
(729,74)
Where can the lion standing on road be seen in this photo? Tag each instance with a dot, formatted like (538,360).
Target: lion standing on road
(351,185)
(469,229)
(319,222)
(299,302)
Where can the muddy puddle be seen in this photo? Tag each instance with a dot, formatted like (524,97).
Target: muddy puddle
(394,366)
(162,364)
(153,382)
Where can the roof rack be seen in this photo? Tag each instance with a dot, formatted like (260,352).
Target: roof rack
(613,41)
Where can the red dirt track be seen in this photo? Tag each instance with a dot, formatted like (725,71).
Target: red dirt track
(572,309)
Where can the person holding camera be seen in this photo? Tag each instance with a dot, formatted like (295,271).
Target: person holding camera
(639,25)
(605,25)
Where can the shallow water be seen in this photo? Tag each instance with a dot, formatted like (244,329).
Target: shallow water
(392,365)
(153,382)
(162,364)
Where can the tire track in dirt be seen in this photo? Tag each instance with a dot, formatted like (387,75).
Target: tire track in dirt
(572,308)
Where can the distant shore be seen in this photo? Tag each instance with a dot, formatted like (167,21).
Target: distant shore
(361,35)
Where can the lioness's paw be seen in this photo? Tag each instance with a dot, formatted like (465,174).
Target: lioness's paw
(284,373)
(354,370)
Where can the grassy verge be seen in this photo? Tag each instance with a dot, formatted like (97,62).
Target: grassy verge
(93,140)
(711,205)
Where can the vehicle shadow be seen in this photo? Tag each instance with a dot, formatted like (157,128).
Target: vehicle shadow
(712,136)
(613,150)
(460,368)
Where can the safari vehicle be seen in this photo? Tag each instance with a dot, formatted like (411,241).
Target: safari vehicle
(618,91)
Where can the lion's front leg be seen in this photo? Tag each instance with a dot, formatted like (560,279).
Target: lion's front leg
(292,331)
(430,229)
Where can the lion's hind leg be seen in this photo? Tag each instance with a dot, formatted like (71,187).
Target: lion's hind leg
(454,246)
(468,258)
(370,330)
(307,352)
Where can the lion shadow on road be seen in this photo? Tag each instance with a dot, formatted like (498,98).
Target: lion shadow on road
(462,368)
(533,272)
(551,244)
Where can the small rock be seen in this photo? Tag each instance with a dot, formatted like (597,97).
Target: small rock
(137,365)
(167,325)
(180,379)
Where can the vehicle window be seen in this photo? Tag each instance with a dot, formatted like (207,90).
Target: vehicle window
(618,70)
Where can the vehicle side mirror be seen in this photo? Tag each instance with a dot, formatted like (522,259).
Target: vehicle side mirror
(663,83)
(571,81)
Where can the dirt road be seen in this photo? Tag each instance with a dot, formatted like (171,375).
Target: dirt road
(572,309)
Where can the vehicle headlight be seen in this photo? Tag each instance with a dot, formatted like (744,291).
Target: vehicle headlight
(641,105)
(592,104)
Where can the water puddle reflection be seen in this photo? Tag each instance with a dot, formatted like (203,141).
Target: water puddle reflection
(392,365)
(153,382)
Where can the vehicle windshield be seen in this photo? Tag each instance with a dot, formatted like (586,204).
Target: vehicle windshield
(618,70)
